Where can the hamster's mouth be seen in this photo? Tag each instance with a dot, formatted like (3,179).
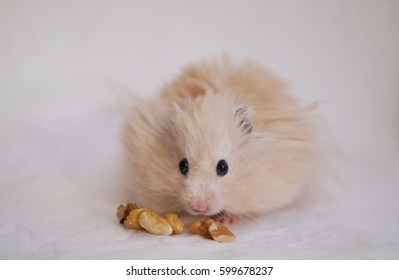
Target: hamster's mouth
(222,216)
(227,218)
(206,213)
(219,214)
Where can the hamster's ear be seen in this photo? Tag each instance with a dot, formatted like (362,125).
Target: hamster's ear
(177,107)
(181,107)
(243,116)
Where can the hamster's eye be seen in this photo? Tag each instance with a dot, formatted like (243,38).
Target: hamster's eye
(183,166)
(222,168)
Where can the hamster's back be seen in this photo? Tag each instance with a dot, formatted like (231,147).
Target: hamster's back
(249,83)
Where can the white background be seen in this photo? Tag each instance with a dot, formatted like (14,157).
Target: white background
(62,173)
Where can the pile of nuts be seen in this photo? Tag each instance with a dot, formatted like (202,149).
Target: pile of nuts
(145,219)
(211,229)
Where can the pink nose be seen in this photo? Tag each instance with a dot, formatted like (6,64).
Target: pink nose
(200,206)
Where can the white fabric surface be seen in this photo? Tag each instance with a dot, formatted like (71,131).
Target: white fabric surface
(62,173)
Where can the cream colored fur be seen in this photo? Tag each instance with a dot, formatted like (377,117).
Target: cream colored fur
(195,117)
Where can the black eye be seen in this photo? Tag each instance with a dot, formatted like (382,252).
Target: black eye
(222,168)
(183,165)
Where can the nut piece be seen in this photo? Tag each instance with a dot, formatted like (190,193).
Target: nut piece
(132,220)
(220,233)
(123,211)
(210,228)
(208,221)
(154,223)
(120,213)
(198,227)
(176,223)
(131,206)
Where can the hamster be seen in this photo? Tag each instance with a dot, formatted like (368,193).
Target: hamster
(221,140)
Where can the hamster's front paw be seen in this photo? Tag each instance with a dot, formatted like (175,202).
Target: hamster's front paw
(226,218)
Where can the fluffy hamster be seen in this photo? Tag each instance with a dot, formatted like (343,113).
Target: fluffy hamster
(221,140)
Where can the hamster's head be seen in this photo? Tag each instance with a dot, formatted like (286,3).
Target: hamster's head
(210,134)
